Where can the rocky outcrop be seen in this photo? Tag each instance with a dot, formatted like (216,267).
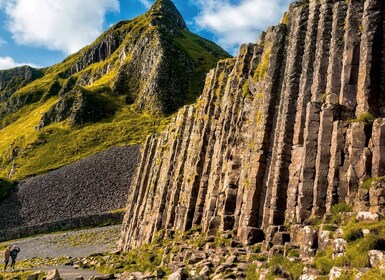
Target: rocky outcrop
(79,106)
(281,133)
(16,78)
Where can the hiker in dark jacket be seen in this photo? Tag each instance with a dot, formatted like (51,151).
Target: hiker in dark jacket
(14,251)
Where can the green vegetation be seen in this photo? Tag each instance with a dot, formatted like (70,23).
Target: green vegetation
(368,182)
(251,272)
(341,208)
(336,211)
(285,18)
(5,187)
(282,264)
(112,118)
(59,144)
(262,68)
(364,118)
(204,53)
(20,275)
(357,247)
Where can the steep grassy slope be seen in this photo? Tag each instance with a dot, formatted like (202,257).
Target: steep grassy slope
(116,91)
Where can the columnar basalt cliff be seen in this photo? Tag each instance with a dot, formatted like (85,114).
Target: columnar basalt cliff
(290,127)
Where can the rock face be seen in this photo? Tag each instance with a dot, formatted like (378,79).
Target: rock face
(290,127)
(14,79)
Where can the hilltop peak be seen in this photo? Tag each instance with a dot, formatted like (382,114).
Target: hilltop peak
(165,12)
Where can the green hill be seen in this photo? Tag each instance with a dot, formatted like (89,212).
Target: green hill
(116,91)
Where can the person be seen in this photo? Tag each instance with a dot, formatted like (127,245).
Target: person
(14,251)
(7,254)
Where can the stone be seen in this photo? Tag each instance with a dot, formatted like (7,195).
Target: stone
(105,277)
(34,276)
(336,272)
(276,250)
(308,277)
(376,258)
(205,271)
(367,217)
(53,275)
(324,239)
(339,245)
(231,260)
(309,242)
(280,238)
(180,274)
(195,258)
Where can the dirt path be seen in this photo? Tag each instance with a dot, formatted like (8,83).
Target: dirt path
(81,243)
(69,273)
(76,244)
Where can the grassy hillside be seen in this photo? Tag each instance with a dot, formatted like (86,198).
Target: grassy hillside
(103,95)
(60,144)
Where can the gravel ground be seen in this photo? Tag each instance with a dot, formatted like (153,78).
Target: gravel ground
(95,185)
(81,243)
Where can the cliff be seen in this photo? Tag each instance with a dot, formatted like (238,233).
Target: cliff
(291,127)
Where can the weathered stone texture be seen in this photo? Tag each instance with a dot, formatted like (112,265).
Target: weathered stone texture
(281,133)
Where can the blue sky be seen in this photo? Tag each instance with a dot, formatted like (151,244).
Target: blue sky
(43,32)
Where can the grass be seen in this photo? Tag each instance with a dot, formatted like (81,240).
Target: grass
(59,144)
(336,210)
(251,272)
(357,247)
(262,67)
(280,263)
(368,182)
(363,118)
(204,53)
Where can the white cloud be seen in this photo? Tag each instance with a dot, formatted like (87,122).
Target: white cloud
(8,62)
(2,41)
(240,22)
(146,3)
(65,25)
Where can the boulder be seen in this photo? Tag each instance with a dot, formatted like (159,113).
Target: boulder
(367,217)
(34,276)
(309,242)
(231,260)
(53,275)
(180,274)
(376,258)
(280,238)
(308,277)
(336,272)
(339,245)
(205,271)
